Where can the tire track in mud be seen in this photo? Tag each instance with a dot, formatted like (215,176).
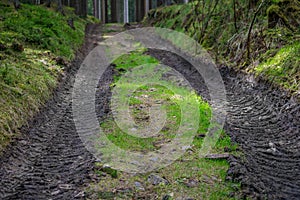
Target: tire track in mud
(266,126)
(49,160)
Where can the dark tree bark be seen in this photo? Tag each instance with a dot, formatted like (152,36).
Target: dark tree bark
(17,4)
(250,29)
(106,10)
(113,11)
(80,7)
(235,15)
(60,7)
(48,3)
(95,8)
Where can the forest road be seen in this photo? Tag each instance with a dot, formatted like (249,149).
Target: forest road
(49,161)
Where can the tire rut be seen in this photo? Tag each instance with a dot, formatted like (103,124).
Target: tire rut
(49,160)
(266,126)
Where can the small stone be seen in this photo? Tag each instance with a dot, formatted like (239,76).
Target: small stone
(207,180)
(156,180)
(271,145)
(154,159)
(272,150)
(192,183)
(218,156)
(80,194)
(139,186)
(184,148)
(133,129)
(56,192)
(65,186)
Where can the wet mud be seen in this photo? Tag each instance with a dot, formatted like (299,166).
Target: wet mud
(264,122)
(49,160)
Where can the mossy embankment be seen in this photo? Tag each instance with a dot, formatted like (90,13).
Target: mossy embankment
(268,49)
(36,44)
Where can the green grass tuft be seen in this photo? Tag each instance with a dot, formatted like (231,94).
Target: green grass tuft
(283,69)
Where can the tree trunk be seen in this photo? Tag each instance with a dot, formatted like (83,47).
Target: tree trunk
(250,29)
(48,3)
(126,10)
(60,7)
(235,16)
(113,11)
(17,4)
(95,10)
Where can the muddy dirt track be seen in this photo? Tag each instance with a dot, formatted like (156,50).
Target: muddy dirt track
(264,123)
(50,162)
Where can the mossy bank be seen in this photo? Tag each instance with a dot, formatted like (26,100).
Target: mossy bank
(267,48)
(36,44)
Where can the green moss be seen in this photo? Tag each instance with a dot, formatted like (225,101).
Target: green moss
(42,28)
(283,68)
(129,61)
(209,175)
(34,37)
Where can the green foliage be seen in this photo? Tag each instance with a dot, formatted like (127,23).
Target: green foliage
(128,61)
(209,175)
(208,22)
(26,82)
(30,41)
(223,31)
(283,68)
(42,28)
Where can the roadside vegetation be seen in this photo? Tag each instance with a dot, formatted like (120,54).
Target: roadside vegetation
(257,37)
(189,176)
(36,44)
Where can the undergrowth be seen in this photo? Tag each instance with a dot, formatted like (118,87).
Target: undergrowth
(283,68)
(35,45)
(224,33)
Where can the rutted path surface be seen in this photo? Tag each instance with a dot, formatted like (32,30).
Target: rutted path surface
(264,123)
(49,160)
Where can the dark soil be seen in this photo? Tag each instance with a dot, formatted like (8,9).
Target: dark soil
(48,160)
(266,126)
(261,120)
